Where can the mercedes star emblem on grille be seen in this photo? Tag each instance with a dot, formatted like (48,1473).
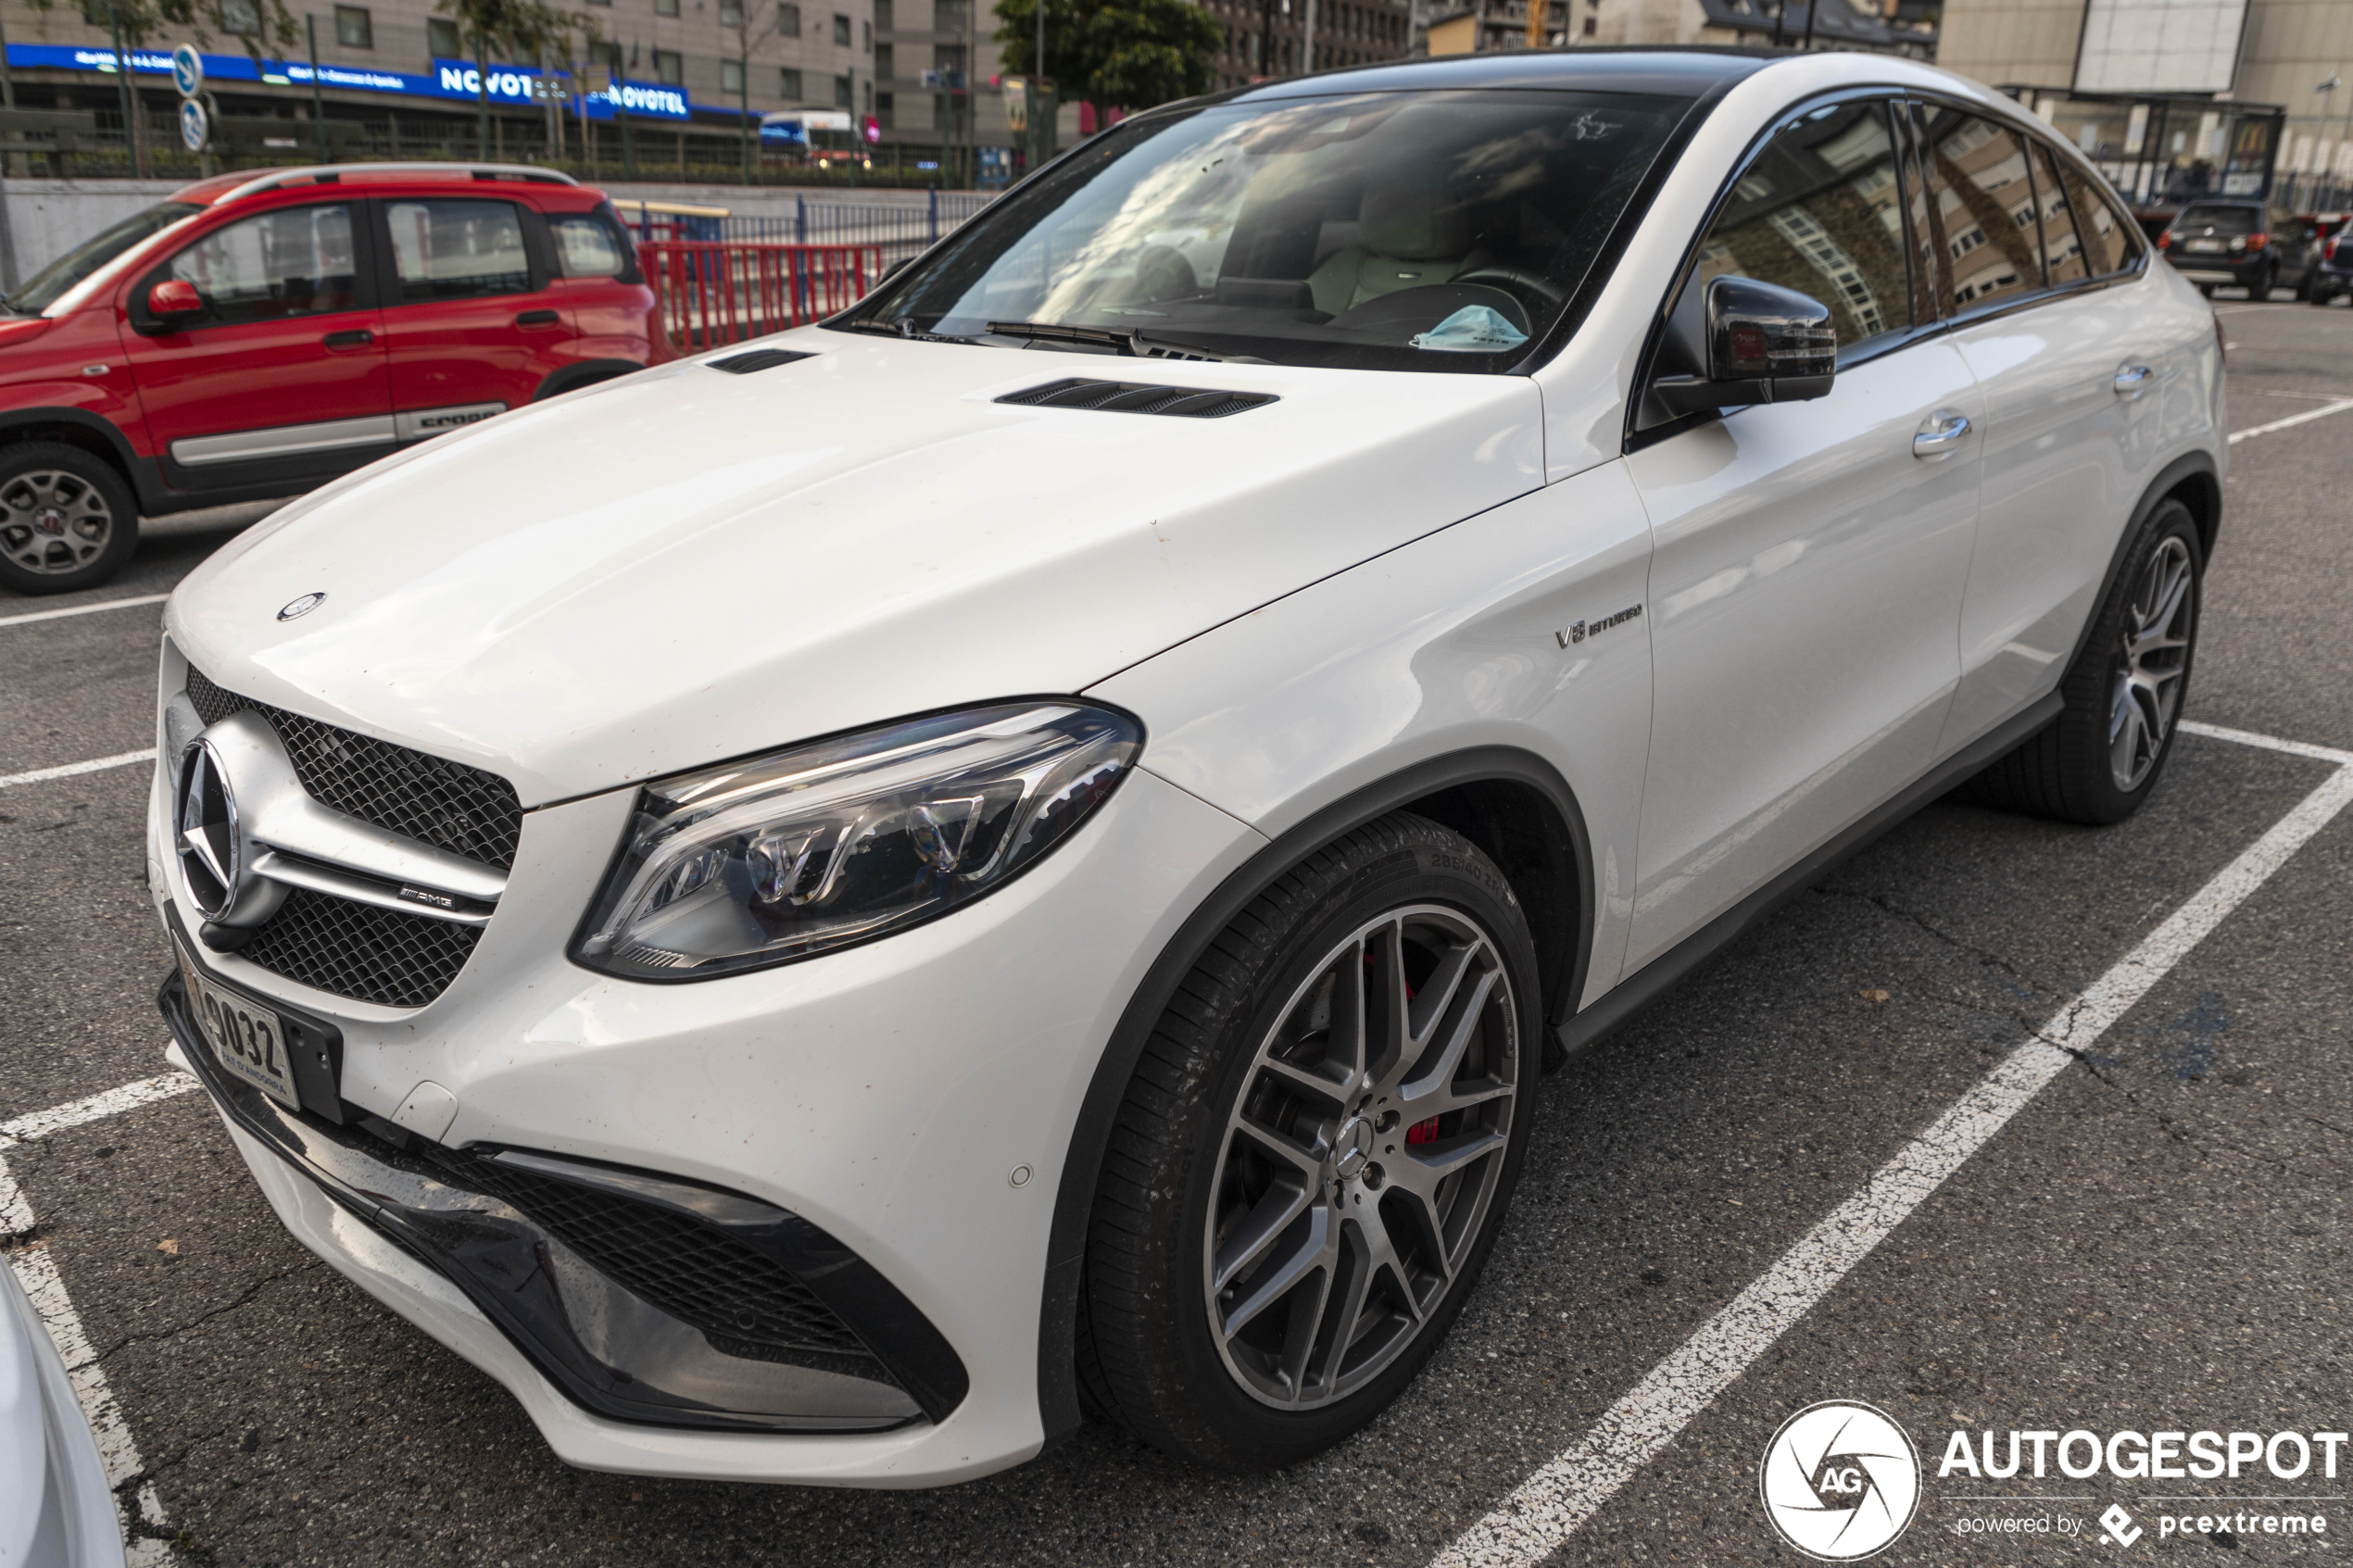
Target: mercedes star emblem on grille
(302,606)
(211,856)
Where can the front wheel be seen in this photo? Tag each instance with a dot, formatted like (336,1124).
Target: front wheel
(67,519)
(1315,1153)
(2100,757)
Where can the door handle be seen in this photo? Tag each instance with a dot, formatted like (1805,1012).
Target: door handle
(537,319)
(1940,432)
(358,337)
(2132,379)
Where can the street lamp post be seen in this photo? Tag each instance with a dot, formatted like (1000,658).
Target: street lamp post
(2321,134)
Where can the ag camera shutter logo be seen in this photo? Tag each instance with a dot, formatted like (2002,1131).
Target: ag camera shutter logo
(1839,1481)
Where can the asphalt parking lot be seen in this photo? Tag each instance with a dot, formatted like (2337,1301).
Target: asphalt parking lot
(2157,1239)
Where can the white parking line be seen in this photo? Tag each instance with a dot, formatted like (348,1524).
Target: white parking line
(2305,417)
(67,771)
(82,609)
(1546,1509)
(37,1272)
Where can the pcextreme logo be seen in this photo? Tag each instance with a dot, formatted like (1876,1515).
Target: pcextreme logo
(1839,1481)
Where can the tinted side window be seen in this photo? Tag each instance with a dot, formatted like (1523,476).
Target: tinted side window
(1819,211)
(2063,258)
(1982,208)
(586,246)
(296,262)
(457,249)
(2112,239)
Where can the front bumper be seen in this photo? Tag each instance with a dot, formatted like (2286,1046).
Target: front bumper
(913,1098)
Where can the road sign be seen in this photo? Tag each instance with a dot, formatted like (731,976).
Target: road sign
(187,70)
(196,126)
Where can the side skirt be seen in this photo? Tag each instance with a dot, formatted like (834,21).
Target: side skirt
(1654,979)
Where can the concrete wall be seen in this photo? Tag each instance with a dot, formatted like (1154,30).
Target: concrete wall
(47,217)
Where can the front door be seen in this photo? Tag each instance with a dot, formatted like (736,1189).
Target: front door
(282,377)
(472,326)
(1806,589)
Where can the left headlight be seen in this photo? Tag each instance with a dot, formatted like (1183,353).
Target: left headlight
(798,852)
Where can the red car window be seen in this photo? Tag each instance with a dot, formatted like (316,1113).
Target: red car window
(458,249)
(295,261)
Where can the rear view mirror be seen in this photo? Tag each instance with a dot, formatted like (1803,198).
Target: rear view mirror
(1765,344)
(174,297)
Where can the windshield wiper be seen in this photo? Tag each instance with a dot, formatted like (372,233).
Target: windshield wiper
(1130,344)
(902,326)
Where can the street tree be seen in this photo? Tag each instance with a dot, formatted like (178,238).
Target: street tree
(1114,54)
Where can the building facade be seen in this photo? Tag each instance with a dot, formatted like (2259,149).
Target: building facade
(2239,97)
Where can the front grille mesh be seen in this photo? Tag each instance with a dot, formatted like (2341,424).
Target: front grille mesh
(745,1303)
(447,805)
(388,956)
(370,953)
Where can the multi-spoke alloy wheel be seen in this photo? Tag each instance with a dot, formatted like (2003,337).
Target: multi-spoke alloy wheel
(1362,1156)
(2122,697)
(53,523)
(1316,1150)
(67,519)
(2155,655)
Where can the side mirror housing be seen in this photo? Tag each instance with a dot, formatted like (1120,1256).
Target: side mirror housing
(174,297)
(1765,344)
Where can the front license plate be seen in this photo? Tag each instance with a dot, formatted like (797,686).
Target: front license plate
(246,1038)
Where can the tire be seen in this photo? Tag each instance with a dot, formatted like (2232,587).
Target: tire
(2304,289)
(2319,294)
(2207,289)
(1238,1117)
(2100,757)
(2261,290)
(68,519)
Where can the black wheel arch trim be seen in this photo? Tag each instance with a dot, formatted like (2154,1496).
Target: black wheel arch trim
(18,424)
(1090,1137)
(2197,465)
(585,373)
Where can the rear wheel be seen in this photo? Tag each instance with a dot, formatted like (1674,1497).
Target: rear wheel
(68,519)
(1315,1153)
(2261,290)
(2100,757)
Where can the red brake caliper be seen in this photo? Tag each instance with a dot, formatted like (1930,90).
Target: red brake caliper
(1422,1132)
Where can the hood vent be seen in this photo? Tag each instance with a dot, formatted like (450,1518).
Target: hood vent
(757,359)
(1133,398)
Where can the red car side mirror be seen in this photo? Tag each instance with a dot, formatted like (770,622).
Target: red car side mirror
(174,297)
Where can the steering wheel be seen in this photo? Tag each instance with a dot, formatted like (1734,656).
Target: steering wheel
(1517,280)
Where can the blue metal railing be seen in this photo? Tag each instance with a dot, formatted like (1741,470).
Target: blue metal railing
(900,228)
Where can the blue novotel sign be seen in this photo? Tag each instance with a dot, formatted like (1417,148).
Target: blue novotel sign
(449,78)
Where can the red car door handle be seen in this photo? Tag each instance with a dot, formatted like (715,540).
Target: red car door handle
(537,319)
(358,338)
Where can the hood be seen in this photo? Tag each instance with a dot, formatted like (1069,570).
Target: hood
(689,564)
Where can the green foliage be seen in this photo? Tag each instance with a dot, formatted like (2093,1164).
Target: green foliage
(515,29)
(1124,54)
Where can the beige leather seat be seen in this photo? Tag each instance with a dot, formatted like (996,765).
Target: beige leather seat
(1410,236)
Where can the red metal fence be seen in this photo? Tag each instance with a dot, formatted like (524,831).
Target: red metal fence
(716,292)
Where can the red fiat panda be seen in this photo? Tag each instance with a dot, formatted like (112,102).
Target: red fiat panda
(258,334)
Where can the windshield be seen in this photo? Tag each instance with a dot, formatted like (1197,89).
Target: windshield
(2223,221)
(50,284)
(1406,231)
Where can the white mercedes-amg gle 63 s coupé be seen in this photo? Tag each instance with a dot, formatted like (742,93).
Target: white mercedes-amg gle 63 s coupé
(816,907)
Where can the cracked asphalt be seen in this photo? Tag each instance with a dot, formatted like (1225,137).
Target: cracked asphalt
(2159,1240)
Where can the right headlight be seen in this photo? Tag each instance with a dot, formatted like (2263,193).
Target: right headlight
(782,857)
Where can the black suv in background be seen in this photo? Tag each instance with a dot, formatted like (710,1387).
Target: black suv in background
(2243,243)
(2334,275)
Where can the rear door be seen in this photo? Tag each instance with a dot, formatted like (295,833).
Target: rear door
(282,377)
(470,326)
(1806,589)
(600,286)
(2047,289)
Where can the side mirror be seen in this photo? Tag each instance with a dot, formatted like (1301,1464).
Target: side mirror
(174,297)
(1765,344)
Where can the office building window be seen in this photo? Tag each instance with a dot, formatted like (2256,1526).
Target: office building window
(731,76)
(665,7)
(866,35)
(353,28)
(731,13)
(788,84)
(841,93)
(441,39)
(886,61)
(886,106)
(241,18)
(789,21)
(841,32)
(885,18)
(669,66)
